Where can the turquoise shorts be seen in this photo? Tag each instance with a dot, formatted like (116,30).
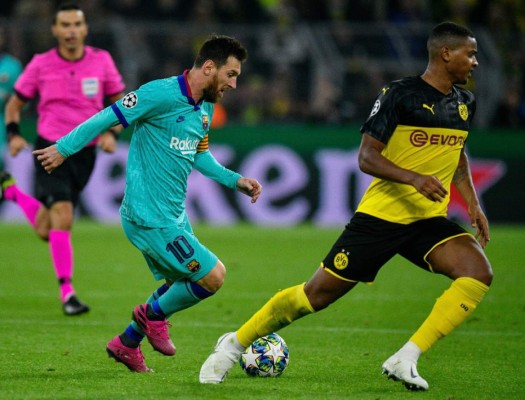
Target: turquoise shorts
(172,252)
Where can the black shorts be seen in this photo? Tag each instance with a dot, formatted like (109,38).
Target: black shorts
(367,243)
(67,181)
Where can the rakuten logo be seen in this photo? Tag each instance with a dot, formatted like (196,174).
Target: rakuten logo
(421,138)
(185,146)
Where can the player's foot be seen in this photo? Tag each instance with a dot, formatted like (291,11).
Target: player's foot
(156,331)
(225,355)
(131,357)
(405,371)
(73,306)
(6,180)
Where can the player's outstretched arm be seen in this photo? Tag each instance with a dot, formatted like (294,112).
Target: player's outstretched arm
(49,157)
(250,187)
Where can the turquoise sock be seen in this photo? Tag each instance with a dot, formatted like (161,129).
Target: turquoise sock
(157,293)
(181,294)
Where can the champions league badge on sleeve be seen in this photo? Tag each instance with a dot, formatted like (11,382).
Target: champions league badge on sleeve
(130,100)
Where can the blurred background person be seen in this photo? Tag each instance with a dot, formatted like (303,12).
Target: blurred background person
(10,69)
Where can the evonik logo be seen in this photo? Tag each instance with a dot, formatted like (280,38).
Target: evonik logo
(185,146)
(420,138)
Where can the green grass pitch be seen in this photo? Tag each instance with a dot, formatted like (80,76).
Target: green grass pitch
(336,354)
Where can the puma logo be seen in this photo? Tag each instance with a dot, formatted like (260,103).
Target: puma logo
(430,108)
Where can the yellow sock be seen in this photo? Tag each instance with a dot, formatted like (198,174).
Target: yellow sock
(450,310)
(281,310)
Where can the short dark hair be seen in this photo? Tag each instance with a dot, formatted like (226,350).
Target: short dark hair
(218,48)
(66,6)
(447,34)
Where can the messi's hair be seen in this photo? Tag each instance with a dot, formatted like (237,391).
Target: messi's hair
(218,48)
(66,6)
(447,34)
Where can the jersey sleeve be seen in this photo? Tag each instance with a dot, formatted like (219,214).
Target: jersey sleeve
(148,100)
(207,165)
(384,116)
(26,86)
(84,133)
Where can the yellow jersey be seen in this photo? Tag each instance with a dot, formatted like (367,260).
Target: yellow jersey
(424,131)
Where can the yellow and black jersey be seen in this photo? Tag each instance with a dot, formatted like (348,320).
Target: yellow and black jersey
(424,131)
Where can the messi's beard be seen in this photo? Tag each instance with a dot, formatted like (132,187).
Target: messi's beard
(209,93)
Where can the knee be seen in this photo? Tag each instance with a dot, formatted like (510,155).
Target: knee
(319,299)
(42,224)
(486,275)
(481,271)
(318,303)
(42,232)
(323,289)
(213,281)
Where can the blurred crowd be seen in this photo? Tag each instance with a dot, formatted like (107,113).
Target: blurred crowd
(278,89)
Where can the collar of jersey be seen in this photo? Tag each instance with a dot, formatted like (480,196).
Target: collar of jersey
(186,91)
(71,61)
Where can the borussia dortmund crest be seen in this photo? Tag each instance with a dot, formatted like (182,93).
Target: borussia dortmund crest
(463,111)
(341,260)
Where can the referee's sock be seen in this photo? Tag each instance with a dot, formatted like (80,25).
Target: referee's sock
(28,204)
(62,255)
(453,307)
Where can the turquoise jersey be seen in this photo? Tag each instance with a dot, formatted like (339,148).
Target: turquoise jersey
(169,139)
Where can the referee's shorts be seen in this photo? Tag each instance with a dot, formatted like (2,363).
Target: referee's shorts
(67,181)
(367,243)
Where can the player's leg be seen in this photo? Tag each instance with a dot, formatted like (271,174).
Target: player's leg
(152,318)
(60,246)
(293,303)
(354,257)
(194,274)
(281,310)
(125,348)
(60,193)
(51,224)
(461,258)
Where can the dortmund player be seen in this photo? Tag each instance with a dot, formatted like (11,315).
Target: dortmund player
(172,118)
(413,143)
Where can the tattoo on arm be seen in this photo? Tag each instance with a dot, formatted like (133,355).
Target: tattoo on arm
(460,174)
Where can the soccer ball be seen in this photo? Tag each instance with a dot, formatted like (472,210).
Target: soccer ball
(266,356)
